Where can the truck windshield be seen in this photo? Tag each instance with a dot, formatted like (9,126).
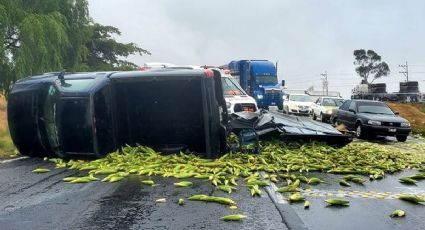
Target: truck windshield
(266,80)
(231,87)
(301,98)
(332,102)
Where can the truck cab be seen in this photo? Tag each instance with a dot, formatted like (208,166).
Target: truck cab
(259,79)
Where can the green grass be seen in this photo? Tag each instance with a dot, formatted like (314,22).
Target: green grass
(7,149)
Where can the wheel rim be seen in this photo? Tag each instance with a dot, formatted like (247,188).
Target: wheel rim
(359,131)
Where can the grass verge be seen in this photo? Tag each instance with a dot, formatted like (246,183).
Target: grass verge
(7,149)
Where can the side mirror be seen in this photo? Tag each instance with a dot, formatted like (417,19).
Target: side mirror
(396,113)
(352,110)
(283,82)
(318,103)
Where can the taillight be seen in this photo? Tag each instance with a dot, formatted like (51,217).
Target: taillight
(208,73)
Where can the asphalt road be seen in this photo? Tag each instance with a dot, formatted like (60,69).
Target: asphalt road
(43,201)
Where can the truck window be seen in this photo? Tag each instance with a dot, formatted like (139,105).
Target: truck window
(76,85)
(230,87)
(266,80)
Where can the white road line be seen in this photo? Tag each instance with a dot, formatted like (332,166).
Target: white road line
(277,197)
(12,160)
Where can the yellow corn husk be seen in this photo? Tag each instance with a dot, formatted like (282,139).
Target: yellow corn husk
(235,217)
(41,170)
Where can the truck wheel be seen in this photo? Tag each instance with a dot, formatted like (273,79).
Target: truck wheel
(321,118)
(401,138)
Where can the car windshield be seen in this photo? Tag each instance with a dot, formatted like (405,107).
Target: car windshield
(375,109)
(231,87)
(302,98)
(332,102)
(266,80)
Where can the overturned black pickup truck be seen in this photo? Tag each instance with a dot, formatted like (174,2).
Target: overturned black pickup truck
(171,110)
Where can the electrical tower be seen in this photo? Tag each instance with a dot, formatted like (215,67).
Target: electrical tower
(406,70)
(325,83)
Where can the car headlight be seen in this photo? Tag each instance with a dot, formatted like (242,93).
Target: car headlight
(228,105)
(405,124)
(372,122)
(259,96)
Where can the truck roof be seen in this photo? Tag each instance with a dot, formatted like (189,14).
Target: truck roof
(258,67)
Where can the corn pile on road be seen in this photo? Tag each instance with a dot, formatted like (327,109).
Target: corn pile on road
(30,200)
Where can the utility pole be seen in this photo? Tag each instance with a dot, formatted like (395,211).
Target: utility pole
(406,70)
(325,82)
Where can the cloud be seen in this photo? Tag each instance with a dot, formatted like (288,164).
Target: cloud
(306,37)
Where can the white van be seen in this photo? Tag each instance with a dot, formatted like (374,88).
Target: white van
(237,100)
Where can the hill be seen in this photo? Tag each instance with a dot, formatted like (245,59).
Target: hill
(415,113)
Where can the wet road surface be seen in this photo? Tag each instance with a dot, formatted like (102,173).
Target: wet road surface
(43,201)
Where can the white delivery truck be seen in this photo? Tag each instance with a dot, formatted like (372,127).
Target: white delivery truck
(237,100)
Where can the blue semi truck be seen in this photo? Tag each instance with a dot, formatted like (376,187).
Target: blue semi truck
(259,79)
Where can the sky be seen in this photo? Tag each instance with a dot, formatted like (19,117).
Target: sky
(305,37)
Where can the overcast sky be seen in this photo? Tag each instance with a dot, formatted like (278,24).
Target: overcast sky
(305,37)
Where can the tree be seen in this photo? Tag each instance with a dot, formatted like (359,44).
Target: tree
(369,64)
(105,52)
(38,36)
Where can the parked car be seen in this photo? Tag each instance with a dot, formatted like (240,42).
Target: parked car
(370,118)
(324,107)
(297,104)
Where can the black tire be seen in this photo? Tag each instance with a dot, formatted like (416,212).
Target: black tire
(334,121)
(359,131)
(314,116)
(401,138)
(321,118)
